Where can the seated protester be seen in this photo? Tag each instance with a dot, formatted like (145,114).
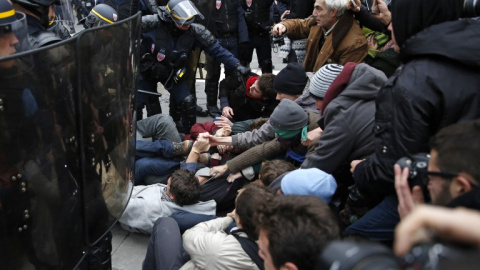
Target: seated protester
(271,169)
(182,193)
(249,98)
(290,83)
(266,133)
(208,245)
(293,229)
(312,182)
(290,124)
(346,97)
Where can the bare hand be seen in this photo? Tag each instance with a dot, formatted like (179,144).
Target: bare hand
(279,29)
(380,11)
(227,112)
(233,176)
(201,144)
(407,200)
(223,132)
(232,214)
(312,135)
(372,43)
(354,164)
(354,5)
(222,121)
(284,14)
(218,170)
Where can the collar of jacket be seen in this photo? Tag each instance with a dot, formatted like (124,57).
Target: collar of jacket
(341,29)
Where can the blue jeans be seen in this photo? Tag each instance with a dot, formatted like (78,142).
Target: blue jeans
(154,158)
(165,248)
(158,127)
(187,220)
(379,223)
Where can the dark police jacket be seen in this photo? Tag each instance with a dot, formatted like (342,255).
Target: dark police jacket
(165,49)
(257,15)
(229,20)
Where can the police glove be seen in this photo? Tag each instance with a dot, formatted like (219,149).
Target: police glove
(242,70)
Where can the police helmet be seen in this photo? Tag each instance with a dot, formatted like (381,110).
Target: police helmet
(182,12)
(100,14)
(13,26)
(37,3)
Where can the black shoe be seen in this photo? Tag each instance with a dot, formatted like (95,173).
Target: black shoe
(201,112)
(213,110)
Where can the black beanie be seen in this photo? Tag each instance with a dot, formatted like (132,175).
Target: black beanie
(291,80)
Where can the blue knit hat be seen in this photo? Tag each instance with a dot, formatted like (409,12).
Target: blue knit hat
(311,181)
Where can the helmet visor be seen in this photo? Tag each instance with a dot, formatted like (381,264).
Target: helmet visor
(64,16)
(184,13)
(14,36)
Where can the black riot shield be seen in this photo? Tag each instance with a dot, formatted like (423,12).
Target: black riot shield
(66,147)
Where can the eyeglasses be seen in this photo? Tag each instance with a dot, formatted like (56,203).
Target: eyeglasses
(444,175)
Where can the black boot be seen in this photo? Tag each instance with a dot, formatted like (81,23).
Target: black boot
(266,66)
(189,112)
(176,114)
(211,90)
(139,113)
(153,106)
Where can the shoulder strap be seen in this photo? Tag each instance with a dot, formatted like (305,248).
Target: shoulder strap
(251,248)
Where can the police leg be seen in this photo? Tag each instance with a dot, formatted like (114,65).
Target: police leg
(183,106)
(143,99)
(211,85)
(190,77)
(264,53)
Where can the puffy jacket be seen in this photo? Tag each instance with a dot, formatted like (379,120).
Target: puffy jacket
(438,86)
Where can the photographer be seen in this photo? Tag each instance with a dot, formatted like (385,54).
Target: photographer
(452,169)
(333,35)
(437,86)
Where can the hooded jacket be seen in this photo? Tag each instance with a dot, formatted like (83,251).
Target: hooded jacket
(347,122)
(437,86)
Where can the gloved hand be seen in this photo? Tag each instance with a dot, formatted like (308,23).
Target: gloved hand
(242,70)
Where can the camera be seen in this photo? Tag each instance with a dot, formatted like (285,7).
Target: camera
(417,164)
(360,255)
(278,40)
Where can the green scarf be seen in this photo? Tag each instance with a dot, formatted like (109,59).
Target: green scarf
(287,134)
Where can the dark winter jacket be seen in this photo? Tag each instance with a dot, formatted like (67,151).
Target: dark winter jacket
(438,86)
(347,122)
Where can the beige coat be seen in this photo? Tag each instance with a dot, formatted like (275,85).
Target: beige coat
(346,43)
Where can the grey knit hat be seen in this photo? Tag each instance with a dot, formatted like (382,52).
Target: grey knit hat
(323,78)
(288,115)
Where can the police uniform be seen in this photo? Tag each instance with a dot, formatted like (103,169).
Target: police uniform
(164,54)
(257,16)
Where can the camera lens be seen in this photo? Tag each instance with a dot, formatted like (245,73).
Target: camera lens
(471,8)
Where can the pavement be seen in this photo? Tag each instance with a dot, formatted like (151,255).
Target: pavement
(128,249)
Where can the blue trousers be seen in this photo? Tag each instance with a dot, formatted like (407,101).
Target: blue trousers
(379,223)
(165,248)
(154,158)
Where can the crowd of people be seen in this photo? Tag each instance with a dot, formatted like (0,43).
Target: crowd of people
(362,152)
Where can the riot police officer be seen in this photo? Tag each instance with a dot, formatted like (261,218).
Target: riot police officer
(100,14)
(164,56)
(229,27)
(39,13)
(257,15)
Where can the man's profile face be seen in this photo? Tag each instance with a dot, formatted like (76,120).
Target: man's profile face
(263,250)
(322,15)
(438,187)
(7,47)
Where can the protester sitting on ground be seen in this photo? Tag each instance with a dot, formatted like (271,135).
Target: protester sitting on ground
(346,97)
(208,244)
(293,229)
(249,98)
(290,124)
(453,170)
(334,35)
(290,83)
(181,193)
(271,169)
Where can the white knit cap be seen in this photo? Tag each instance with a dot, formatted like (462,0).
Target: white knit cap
(323,78)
